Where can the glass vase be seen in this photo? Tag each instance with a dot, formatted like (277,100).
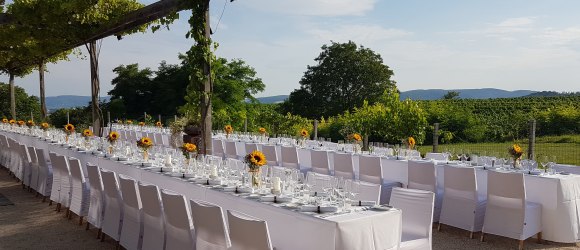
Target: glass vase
(256,179)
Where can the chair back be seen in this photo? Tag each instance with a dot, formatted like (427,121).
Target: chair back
(506,189)
(157,138)
(218,147)
(319,161)
(370,169)
(131,228)
(153,222)
(32,154)
(96,200)
(130,193)
(460,182)
(248,233)
(231,151)
(290,157)
(250,147)
(343,165)
(317,181)
(177,221)
(367,191)
(422,175)
(76,171)
(417,206)
(270,153)
(436,156)
(210,230)
(113,205)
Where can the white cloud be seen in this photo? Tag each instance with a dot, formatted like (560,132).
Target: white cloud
(358,33)
(561,36)
(314,7)
(516,22)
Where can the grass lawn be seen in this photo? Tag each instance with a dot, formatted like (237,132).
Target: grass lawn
(565,148)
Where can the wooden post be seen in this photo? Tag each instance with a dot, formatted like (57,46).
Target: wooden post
(95,86)
(206,107)
(532,140)
(12,97)
(435,137)
(159,118)
(246,124)
(315,130)
(43,110)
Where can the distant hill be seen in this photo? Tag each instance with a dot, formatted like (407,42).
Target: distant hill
(552,93)
(68,101)
(433,94)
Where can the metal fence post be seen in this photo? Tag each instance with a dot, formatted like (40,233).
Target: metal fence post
(435,137)
(532,140)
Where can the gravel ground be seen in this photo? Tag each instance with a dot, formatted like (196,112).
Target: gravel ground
(32,224)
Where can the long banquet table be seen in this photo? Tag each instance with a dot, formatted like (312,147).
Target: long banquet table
(558,194)
(288,229)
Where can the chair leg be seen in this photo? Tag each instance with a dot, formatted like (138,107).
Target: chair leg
(521,246)
(80,220)
(540,241)
(482,239)
(99,233)
(118,245)
(44,199)
(88,226)
(439,227)
(471,235)
(49,203)
(102,236)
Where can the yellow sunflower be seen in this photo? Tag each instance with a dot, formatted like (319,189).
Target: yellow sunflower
(411,141)
(129,122)
(189,147)
(113,136)
(158,124)
(4,120)
(12,121)
(44,125)
(141,124)
(30,123)
(356,137)
(69,128)
(262,130)
(228,129)
(21,123)
(304,133)
(257,158)
(87,133)
(145,143)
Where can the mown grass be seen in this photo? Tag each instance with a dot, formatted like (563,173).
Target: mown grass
(565,148)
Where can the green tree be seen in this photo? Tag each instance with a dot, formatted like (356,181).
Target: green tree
(25,104)
(345,75)
(451,95)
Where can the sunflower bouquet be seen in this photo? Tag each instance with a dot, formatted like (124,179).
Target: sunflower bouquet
(255,161)
(129,122)
(145,143)
(262,131)
(187,149)
(12,121)
(113,137)
(69,129)
(515,151)
(356,138)
(44,126)
(21,123)
(229,129)
(159,124)
(87,133)
(410,142)
(4,120)
(30,123)
(141,124)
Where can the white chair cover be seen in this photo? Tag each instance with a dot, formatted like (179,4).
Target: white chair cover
(248,233)
(56,173)
(417,206)
(436,156)
(178,223)
(217,148)
(508,213)
(65,180)
(250,147)
(113,214)
(317,181)
(209,224)
(44,173)
(26,165)
(157,138)
(367,191)
(96,208)
(271,156)
(343,165)
(131,228)
(153,222)
(462,206)
(33,168)
(80,196)
(319,161)
(423,176)
(231,151)
(289,157)
(371,170)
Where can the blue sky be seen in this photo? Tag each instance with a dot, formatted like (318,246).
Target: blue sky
(517,44)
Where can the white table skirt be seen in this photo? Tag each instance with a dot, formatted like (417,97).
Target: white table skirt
(288,229)
(559,195)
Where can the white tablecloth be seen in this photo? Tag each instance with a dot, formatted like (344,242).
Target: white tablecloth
(288,229)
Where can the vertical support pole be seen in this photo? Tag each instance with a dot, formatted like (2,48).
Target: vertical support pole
(315,130)
(532,140)
(246,124)
(109,119)
(435,137)
(12,97)
(206,107)
(159,118)
(95,87)
(43,110)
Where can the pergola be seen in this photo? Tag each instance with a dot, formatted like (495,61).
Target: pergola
(129,21)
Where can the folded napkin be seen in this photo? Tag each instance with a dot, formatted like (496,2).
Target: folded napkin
(215,182)
(177,174)
(364,203)
(244,190)
(318,209)
(275,198)
(229,188)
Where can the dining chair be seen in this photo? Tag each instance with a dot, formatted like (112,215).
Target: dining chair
(508,213)
(33,169)
(423,176)
(319,161)
(65,182)
(367,191)
(343,165)
(113,210)
(218,147)
(462,206)
(290,157)
(436,156)
(250,147)
(247,232)
(417,207)
(370,169)
(97,201)
(131,229)
(25,166)
(209,224)
(56,181)
(153,221)
(178,225)
(317,181)
(231,150)
(80,196)
(271,156)
(44,174)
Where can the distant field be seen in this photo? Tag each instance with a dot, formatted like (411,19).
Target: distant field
(566,148)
